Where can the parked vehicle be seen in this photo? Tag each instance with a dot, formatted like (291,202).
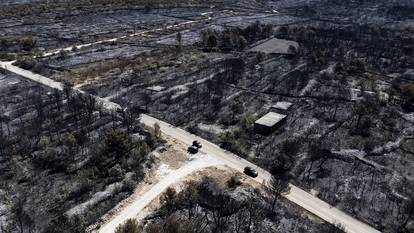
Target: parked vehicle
(197,144)
(192,149)
(250,172)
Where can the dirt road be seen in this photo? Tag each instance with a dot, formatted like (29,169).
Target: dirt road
(68,49)
(296,195)
(215,156)
(134,209)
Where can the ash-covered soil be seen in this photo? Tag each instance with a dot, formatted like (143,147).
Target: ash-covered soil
(58,161)
(348,136)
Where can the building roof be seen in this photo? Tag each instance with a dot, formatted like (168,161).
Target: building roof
(282,105)
(275,46)
(156,88)
(270,119)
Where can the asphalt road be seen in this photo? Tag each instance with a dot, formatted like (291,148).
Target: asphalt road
(219,156)
(106,104)
(296,195)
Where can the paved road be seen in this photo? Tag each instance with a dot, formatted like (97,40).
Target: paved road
(68,49)
(106,104)
(30,75)
(296,195)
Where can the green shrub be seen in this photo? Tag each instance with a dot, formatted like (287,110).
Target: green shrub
(234,142)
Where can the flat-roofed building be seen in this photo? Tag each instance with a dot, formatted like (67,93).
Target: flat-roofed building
(281,107)
(269,123)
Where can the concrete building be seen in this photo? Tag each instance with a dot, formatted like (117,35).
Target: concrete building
(269,123)
(281,107)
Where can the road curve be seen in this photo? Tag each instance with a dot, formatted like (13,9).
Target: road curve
(134,209)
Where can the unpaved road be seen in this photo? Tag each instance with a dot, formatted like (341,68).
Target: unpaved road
(134,209)
(215,156)
(296,195)
(68,49)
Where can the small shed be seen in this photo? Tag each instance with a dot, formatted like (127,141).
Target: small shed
(269,123)
(281,107)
